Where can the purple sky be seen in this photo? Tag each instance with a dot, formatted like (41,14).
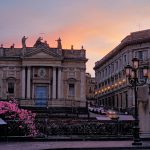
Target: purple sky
(98,25)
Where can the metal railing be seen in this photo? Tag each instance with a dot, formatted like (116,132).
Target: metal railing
(84,128)
(79,128)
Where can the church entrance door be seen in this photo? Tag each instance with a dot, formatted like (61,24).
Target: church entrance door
(41,96)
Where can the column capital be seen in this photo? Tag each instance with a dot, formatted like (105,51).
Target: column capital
(54,68)
(23,67)
(29,67)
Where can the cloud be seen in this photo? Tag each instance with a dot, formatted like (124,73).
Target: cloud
(98,25)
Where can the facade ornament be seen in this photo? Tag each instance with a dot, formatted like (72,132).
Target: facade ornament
(71,47)
(41,72)
(45,42)
(59,46)
(12,46)
(24,42)
(38,42)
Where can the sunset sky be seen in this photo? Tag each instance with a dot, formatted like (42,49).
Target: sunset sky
(98,25)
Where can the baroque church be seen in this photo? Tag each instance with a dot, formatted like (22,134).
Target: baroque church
(42,76)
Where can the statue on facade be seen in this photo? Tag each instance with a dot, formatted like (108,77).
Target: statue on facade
(71,47)
(12,46)
(38,42)
(24,42)
(59,46)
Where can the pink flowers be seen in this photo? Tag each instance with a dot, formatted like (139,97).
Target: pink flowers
(11,111)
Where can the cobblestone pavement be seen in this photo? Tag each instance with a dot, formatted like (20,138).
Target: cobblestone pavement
(68,144)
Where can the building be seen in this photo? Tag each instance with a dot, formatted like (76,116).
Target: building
(113,90)
(42,76)
(90,89)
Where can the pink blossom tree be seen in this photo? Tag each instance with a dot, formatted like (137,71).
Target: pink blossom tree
(24,118)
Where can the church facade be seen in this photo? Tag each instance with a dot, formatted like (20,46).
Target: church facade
(41,76)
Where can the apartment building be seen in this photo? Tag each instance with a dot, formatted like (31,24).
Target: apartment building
(113,90)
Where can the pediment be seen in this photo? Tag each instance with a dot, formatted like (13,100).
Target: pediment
(41,55)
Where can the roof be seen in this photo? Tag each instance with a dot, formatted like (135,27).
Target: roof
(134,38)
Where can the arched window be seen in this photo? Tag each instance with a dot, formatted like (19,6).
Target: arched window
(11,85)
(71,87)
(71,90)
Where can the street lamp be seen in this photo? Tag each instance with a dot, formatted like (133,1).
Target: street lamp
(132,75)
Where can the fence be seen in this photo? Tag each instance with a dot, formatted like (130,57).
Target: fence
(68,127)
(84,128)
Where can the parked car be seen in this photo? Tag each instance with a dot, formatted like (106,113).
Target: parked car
(98,110)
(112,114)
(91,109)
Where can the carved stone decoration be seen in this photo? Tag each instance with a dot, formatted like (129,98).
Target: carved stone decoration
(41,72)
(24,42)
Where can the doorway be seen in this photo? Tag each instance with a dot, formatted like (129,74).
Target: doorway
(41,96)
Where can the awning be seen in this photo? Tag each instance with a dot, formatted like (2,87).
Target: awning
(2,122)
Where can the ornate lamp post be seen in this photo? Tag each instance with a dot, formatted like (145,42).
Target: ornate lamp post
(132,75)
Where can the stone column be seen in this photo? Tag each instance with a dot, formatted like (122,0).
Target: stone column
(50,85)
(28,82)
(59,83)
(54,83)
(82,96)
(23,82)
(33,91)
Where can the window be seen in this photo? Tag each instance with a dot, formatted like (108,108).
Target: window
(119,74)
(120,64)
(140,55)
(125,59)
(105,71)
(10,87)
(100,75)
(109,70)
(145,54)
(117,103)
(116,65)
(71,90)
(90,90)
(120,100)
(126,99)
(112,66)
(99,85)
